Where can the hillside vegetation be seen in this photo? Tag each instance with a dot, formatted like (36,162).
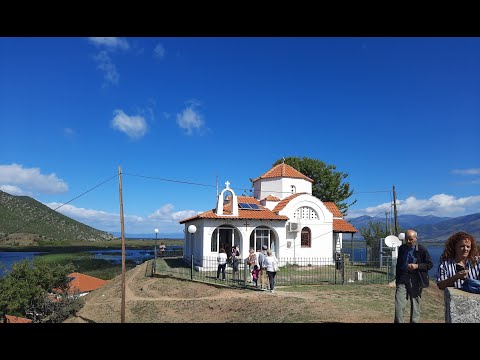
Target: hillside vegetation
(25,221)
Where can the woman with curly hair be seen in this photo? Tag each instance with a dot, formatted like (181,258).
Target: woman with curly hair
(459,260)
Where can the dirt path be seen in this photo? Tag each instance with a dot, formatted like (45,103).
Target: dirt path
(170,300)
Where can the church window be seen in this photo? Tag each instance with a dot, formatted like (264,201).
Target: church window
(305,212)
(306,239)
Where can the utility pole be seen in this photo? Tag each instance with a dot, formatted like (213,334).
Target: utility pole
(123,243)
(395,215)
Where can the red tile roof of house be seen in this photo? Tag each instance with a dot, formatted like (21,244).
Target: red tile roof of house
(16,320)
(283,170)
(342,226)
(271,198)
(84,283)
(332,207)
(262,213)
(284,202)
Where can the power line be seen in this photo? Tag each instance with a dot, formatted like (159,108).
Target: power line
(237,188)
(76,197)
(170,180)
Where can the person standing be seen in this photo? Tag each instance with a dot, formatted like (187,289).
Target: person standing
(222,263)
(459,260)
(261,255)
(235,259)
(251,261)
(271,264)
(413,264)
(255,272)
(162,249)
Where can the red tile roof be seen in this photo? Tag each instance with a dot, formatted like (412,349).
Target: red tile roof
(84,283)
(284,202)
(16,320)
(342,226)
(263,213)
(332,207)
(271,198)
(283,170)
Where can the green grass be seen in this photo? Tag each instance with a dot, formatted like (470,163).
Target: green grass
(85,263)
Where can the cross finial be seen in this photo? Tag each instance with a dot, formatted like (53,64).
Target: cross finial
(284,160)
(227,184)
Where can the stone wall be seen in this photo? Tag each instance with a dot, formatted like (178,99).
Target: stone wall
(461,306)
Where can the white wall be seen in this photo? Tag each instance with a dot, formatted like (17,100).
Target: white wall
(280,187)
(321,229)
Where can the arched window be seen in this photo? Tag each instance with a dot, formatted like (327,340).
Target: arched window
(262,235)
(305,212)
(306,241)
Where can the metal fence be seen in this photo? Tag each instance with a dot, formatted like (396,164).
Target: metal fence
(293,271)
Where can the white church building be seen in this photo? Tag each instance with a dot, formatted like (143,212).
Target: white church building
(283,215)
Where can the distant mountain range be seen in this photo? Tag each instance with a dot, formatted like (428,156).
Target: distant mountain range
(25,221)
(429,228)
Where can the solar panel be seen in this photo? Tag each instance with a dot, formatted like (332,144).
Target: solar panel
(248,206)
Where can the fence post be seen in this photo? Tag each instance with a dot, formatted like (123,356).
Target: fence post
(191,267)
(342,265)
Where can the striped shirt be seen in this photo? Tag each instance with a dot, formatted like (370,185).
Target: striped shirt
(447,269)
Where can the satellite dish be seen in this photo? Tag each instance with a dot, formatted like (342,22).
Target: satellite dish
(392,241)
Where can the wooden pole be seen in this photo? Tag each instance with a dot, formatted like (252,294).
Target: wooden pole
(123,243)
(395,211)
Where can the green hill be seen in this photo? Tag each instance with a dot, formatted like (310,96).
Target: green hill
(25,221)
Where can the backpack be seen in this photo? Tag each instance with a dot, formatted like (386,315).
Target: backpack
(471,286)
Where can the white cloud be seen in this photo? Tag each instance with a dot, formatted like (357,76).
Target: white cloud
(110,43)
(105,64)
(165,213)
(472,171)
(134,126)
(437,205)
(16,175)
(163,219)
(159,51)
(190,119)
(13,190)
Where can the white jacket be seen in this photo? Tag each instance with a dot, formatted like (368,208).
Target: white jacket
(270,262)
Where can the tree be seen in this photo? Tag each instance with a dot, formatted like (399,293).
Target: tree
(327,182)
(25,290)
(373,232)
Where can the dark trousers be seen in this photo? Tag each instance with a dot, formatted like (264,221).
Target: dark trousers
(221,267)
(271,278)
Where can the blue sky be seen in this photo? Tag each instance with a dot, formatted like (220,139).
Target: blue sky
(387,111)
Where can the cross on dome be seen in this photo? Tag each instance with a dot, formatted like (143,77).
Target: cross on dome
(227,184)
